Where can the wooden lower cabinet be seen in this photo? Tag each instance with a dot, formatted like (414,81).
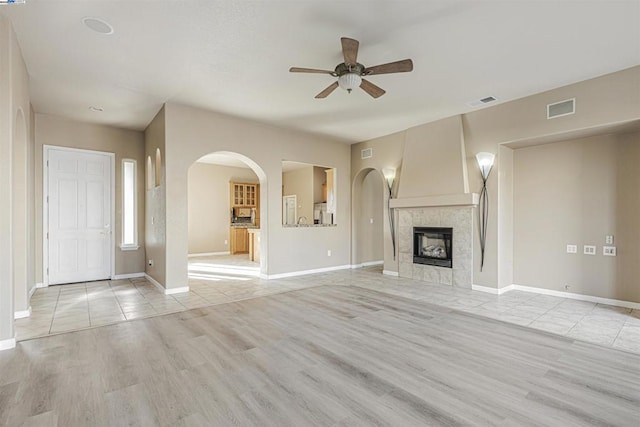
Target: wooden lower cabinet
(239,240)
(254,244)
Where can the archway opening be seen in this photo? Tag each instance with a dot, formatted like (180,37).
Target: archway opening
(368,218)
(226,218)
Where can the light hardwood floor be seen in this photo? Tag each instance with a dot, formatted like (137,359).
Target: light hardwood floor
(222,279)
(328,356)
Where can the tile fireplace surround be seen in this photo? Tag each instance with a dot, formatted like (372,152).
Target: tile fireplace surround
(460,218)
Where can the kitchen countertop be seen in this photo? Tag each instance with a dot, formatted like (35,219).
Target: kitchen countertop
(308,225)
(244,226)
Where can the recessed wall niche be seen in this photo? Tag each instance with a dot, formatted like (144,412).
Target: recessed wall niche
(150,173)
(158,174)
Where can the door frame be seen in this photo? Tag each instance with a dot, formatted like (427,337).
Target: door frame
(295,208)
(45,206)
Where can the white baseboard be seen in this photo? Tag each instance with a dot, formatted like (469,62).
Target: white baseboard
(32,290)
(127,276)
(176,290)
(305,272)
(390,273)
(165,290)
(41,285)
(7,344)
(154,281)
(21,314)
(580,297)
(209,254)
(367,264)
(561,294)
(494,291)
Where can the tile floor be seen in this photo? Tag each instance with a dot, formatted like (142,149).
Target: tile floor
(597,323)
(218,280)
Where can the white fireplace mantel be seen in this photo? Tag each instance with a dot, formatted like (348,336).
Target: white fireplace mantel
(466,199)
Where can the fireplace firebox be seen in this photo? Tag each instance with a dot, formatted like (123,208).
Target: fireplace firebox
(432,246)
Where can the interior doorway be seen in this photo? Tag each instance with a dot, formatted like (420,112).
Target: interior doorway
(368,218)
(78,213)
(289,209)
(224,219)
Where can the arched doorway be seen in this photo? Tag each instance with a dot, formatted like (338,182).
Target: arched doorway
(368,218)
(224,219)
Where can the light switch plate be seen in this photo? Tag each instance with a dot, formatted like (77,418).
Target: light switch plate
(589,250)
(572,249)
(608,239)
(609,250)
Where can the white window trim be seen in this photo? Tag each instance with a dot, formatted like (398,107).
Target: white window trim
(131,246)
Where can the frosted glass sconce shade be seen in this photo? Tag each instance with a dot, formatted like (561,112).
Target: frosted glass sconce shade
(485,161)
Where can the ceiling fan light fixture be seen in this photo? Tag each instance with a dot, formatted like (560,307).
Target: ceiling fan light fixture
(349,81)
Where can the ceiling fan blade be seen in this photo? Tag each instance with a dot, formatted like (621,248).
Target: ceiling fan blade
(350,50)
(327,91)
(309,70)
(372,89)
(403,66)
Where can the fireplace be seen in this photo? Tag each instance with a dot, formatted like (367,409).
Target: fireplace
(432,246)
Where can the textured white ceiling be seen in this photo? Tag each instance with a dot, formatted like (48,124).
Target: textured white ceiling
(233,56)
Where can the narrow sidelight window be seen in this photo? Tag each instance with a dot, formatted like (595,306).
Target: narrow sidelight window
(129,208)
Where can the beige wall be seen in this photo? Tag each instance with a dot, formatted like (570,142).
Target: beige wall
(434,160)
(16,167)
(155,200)
(299,182)
(577,192)
(506,217)
(192,133)
(209,205)
(600,103)
(125,144)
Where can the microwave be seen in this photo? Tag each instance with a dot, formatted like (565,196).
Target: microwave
(242,212)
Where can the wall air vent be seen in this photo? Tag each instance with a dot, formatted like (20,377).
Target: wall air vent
(562,108)
(478,102)
(367,153)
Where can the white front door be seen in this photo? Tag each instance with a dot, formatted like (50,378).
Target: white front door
(79,215)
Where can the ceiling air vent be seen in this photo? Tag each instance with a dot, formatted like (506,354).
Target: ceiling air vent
(479,102)
(562,108)
(367,153)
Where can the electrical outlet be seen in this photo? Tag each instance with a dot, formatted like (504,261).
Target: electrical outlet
(226,242)
(150,263)
(589,250)
(329,252)
(608,240)
(370,220)
(609,250)
(572,249)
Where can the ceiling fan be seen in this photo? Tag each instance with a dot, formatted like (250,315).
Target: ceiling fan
(350,73)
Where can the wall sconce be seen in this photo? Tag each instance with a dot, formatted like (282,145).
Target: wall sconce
(485,162)
(390,176)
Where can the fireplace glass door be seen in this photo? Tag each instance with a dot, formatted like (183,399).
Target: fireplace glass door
(432,246)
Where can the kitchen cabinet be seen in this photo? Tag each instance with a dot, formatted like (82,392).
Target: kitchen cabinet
(254,244)
(243,194)
(239,240)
